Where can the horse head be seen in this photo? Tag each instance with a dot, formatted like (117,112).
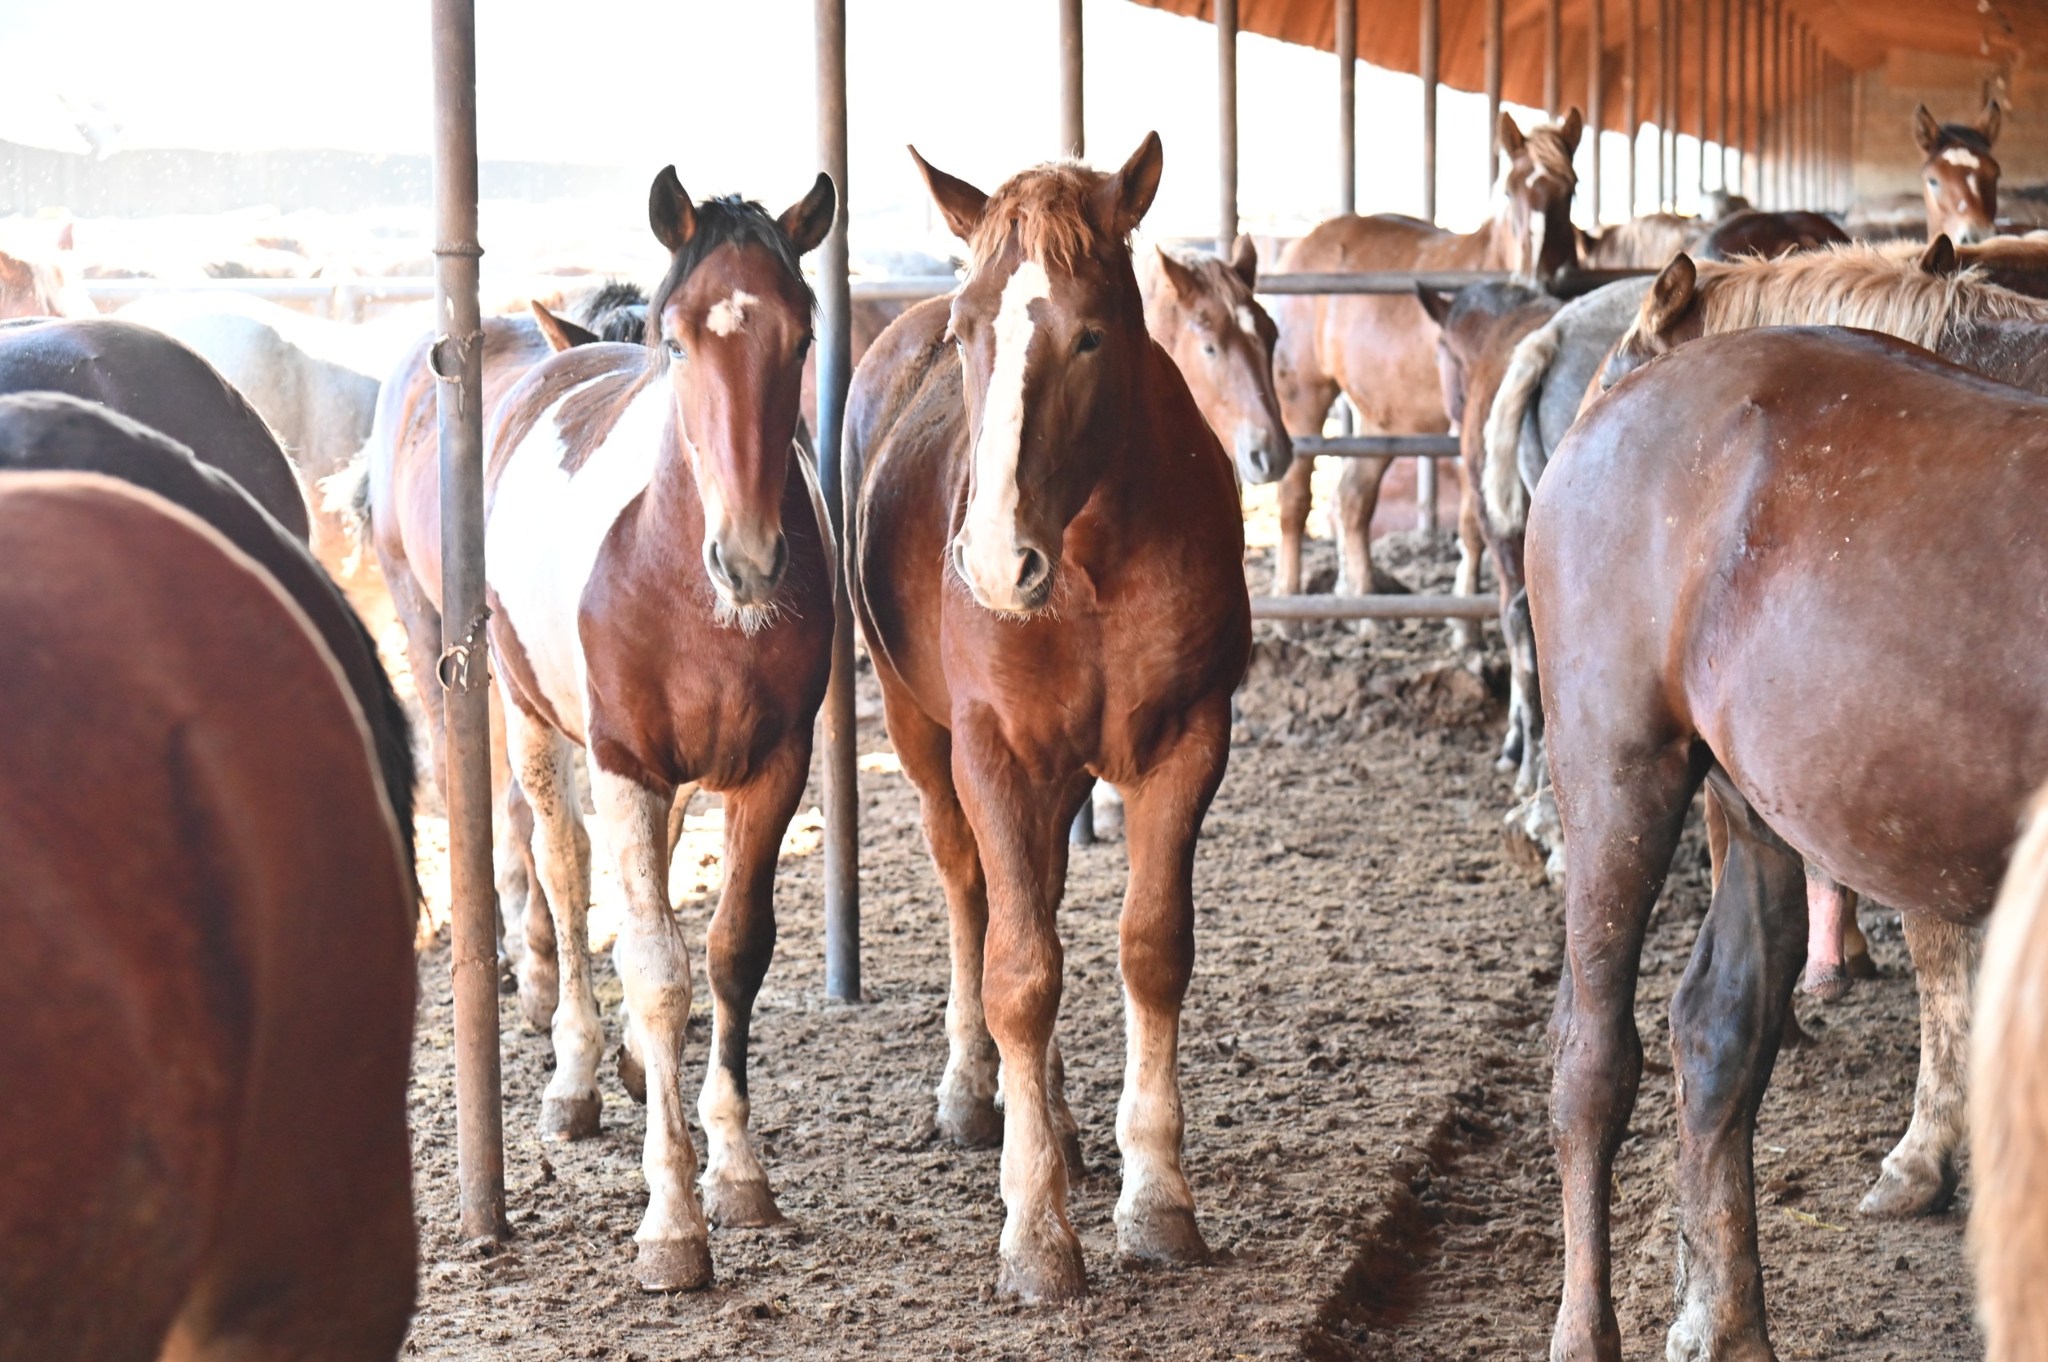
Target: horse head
(729,328)
(1202,311)
(1960,176)
(1050,330)
(1536,188)
(1669,317)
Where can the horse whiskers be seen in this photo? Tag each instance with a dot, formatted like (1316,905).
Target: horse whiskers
(751,620)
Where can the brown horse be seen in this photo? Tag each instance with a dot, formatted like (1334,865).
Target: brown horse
(205,957)
(1770,235)
(1644,242)
(1959,176)
(2009,1111)
(1769,557)
(1202,313)
(660,577)
(1378,350)
(1048,571)
(43,287)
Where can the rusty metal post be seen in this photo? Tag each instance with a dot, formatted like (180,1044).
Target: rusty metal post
(1073,131)
(1494,25)
(1700,99)
(464,672)
(1780,186)
(1749,108)
(1226,125)
(1553,58)
(1721,113)
(1631,83)
(835,371)
(1660,103)
(1426,68)
(1347,106)
(1596,95)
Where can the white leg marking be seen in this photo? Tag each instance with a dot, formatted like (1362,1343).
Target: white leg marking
(1149,1122)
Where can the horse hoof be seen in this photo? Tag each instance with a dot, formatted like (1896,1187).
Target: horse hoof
(569,1118)
(971,1121)
(632,1074)
(1901,1195)
(1860,967)
(1165,1234)
(1049,1273)
(740,1205)
(673,1264)
(537,993)
(1070,1151)
(1828,984)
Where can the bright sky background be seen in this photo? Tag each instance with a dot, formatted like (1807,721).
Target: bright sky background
(723,88)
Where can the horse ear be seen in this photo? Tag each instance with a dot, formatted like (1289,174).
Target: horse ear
(1993,119)
(1670,297)
(1437,305)
(1574,128)
(65,240)
(1926,131)
(1126,195)
(1939,257)
(1244,258)
(1178,274)
(670,212)
(807,221)
(960,202)
(1511,139)
(559,332)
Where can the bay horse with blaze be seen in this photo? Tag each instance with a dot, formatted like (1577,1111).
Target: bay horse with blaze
(1048,570)
(659,568)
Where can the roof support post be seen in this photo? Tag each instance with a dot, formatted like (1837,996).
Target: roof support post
(1596,96)
(1226,124)
(1073,132)
(1426,67)
(1347,106)
(1494,25)
(1553,58)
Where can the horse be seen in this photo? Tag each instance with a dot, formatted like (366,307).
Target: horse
(1201,311)
(1764,563)
(43,286)
(1643,242)
(2009,1110)
(1770,235)
(1046,560)
(1379,352)
(1959,175)
(1480,326)
(208,898)
(154,379)
(659,569)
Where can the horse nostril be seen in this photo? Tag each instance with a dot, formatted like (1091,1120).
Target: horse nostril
(1032,568)
(776,569)
(714,562)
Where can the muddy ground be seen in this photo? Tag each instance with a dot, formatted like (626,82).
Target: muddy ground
(1363,1065)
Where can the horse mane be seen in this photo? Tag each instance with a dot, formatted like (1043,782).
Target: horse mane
(1050,209)
(728,220)
(1858,286)
(1964,136)
(617,307)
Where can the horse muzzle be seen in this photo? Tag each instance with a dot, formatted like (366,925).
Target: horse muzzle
(1011,578)
(1263,455)
(746,575)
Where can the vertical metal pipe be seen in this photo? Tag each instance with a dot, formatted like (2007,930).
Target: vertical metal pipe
(1553,58)
(1226,124)
(1631,81)
(1662,103)
(1494,25)
(1781,145)
(1073,128)
(1721,112)
(1700,96)
(835,371)
(1753,99)
(1426,68)
(1347,106)
(1596,95)
(457,360)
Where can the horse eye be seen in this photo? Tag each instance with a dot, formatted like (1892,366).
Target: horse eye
(1933,183)
(803,349)
(1091,339)
(1209,349)
(675,348)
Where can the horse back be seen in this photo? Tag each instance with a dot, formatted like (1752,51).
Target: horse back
(206,957)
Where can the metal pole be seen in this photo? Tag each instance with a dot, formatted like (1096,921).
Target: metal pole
(1748,109)
(1073,136)
(1661,102)
(1494,24)
(1226,124)
(1630,82)
(835,371)
(1553,58)
(1596,95)
(457,360)
(1426,68)
(1347,106)
(1721,118)
(1700,99)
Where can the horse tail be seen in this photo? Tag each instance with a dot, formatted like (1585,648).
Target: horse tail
(1514,410)
(2009,1105)
(345,495)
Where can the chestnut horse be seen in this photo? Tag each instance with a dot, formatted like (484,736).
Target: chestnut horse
(1808,511)
(659,569)
(1048,571)
(205,959)
(1202,313)
(1381,353)
(1959,176)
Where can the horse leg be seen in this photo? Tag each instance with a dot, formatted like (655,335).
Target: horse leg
(1827,905)
(1358,496)
(1919,1176)
(422,620)
(1726,1020)
(741,943)
(1295,497)
(1471,551)
(1155,1215)
(1064,1124)
(1021,832)
(561,849)
(1621,821)
(1855,946)
(540,983)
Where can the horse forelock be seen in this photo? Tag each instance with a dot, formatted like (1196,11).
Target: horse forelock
(1954,135)
(1048,212)
(1858,286)
(1545,147)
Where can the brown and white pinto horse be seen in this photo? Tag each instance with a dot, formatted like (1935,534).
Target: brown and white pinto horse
(1381,353)
(205,955)
(660,571)
(1808,515)
(1048,573)
(1201,311)
(1960,176)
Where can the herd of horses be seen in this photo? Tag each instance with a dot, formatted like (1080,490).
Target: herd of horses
(1766,525)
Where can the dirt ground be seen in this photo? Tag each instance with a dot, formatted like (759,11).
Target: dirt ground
(1363,1066)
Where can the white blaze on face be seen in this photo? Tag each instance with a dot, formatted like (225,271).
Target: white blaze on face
(988,539)
(1962,156)
(729,315)
(1248,322)
(1539,227)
